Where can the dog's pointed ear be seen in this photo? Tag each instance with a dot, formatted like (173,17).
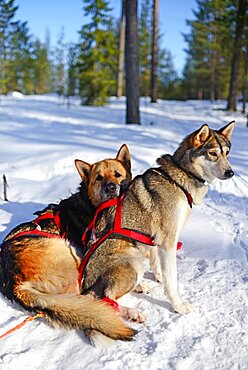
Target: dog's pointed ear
(83,169)
(123,156)
(227,130)
(201,136)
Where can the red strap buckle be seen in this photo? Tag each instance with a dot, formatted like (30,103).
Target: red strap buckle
(179,245)
(111,303)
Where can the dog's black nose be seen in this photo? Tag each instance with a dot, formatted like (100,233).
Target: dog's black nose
(110,187)
(229,174)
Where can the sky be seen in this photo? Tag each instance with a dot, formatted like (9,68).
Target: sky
(55,14)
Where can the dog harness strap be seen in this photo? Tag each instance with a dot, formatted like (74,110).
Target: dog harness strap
(131,234)
(38,232)
(167,177)
(111,303)
(189,197)
(89,253)
(57,220)
(45,216)
(91,226)
(35,232)
(117,230)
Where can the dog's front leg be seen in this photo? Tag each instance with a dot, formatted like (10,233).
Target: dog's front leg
(169,277)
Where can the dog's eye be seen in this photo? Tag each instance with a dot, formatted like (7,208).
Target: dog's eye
(99,178)
(117,174)
(227,153)
(213,154)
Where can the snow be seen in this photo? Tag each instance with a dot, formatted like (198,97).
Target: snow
(40,138)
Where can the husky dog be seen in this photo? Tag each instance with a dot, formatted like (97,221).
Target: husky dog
(158,203)
(40,271)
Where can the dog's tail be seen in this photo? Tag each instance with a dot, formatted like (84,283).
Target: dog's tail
(75,311)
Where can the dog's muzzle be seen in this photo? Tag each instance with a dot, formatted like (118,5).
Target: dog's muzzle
(111,189)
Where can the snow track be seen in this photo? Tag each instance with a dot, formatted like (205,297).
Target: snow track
(39,142)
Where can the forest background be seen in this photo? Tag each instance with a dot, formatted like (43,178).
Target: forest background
(216,66)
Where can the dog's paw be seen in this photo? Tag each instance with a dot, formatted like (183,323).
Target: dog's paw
(158,277)
(132,314)
(183,308)
(142,288)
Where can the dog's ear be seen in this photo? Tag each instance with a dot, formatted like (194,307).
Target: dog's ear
(227,130)
(123,156)
(201,136)
(83,169)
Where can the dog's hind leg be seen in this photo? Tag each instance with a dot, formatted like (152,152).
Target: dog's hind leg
(155,264)
(120,278)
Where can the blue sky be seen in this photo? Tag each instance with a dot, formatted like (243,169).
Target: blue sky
(55,14)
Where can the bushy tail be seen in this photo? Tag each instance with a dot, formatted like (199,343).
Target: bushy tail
(74,311)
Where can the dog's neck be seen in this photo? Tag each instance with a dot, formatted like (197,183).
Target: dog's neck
(76,212)
(189,182)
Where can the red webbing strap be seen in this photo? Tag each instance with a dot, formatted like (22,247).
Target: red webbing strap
(117,230)
(48,215)
(189,197)
(58,221)
(89,253)
(91,226)
(112,303)
(37,231)
(132,234)
(118,213)
(45,216)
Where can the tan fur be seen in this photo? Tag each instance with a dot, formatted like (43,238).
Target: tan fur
(42,273)
(100,173)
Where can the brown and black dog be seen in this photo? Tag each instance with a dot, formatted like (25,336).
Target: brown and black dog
(41,273)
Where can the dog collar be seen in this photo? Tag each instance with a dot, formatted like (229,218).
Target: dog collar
(167,177)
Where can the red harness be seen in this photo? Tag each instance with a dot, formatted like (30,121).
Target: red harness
(116,230)
(38,232)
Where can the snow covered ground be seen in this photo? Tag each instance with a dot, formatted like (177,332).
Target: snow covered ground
(40,138)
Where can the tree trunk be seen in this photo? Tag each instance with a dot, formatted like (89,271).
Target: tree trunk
(217,76)
(245,80)
(234,80)
(132,63)
(121,51)
(154,72)
(213,63)
(245,84)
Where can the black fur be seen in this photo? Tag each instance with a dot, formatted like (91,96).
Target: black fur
(75,213)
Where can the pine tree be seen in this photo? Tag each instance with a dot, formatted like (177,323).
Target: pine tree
(145,37)
(41,68)
(72,72)
(7,13)
(59,64)
(20,60)
(169,84)
(121,49)
(154,79)
(98,50)
(208,62)
(244,85)
(241,24)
